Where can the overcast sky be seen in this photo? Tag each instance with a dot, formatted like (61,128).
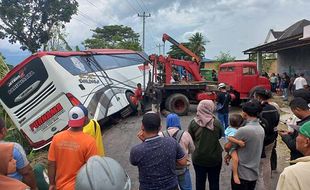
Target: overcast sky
(229,25)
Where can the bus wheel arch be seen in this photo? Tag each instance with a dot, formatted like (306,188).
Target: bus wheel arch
(129,94)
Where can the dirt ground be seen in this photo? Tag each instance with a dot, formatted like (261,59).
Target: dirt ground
(120,138)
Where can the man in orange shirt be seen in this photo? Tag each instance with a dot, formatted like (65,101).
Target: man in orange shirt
(70,150)
(138,96)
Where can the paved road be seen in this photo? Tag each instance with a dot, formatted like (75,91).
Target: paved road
(120,138)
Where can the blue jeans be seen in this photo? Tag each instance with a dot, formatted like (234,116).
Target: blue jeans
(223,117)
(185,181)
(285,93)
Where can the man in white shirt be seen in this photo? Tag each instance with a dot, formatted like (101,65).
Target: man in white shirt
(300,82)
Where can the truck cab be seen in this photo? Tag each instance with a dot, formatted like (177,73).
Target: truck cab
(243,77)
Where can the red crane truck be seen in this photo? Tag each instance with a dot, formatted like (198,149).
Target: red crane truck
(241,77)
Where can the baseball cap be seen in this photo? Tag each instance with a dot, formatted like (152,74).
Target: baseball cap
(221,85)
(305,129)
(151,121)
(77,116)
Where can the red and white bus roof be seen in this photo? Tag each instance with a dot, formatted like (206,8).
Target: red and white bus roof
(63,54)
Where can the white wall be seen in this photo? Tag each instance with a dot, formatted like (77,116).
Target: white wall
(298,59)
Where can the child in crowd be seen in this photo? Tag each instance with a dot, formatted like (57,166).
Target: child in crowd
(235,121)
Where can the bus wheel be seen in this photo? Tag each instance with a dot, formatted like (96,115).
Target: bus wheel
(41,176)
(129,96)
(178,103)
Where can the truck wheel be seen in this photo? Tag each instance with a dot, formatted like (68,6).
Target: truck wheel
(129,94)
(178,103)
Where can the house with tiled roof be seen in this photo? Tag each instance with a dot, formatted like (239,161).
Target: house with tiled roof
(292,47)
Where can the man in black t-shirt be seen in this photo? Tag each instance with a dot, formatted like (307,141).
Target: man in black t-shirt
(271,118)
(223,99)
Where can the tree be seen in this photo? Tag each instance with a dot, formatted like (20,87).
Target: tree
(4,69)
(176,53)
(268,59)
(224,57)
(58,40)
(30,22)
(197,43)
(114,37)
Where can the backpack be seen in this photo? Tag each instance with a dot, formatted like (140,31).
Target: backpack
(180,170)
(177,135)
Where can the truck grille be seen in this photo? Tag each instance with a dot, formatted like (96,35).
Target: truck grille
(20,113)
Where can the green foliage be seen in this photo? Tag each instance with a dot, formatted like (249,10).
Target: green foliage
(58,40)
(177,53)
(31,22)
(268,59)
(4,69)
(113,37)
(224,57)
(77,48)
(197,43)
(13,134)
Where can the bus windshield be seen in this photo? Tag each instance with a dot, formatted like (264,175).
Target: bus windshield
(80,64)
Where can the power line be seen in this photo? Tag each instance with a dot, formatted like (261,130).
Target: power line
(101,10)
(139,5)
(144,6)
(81,21)
(91,3)
(87,17)
(132,7)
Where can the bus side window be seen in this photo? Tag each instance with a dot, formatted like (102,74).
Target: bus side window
(74,64)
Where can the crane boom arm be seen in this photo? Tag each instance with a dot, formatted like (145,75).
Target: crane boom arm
(182,47)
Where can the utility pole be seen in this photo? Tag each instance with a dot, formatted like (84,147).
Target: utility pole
(143,18)
(159,46)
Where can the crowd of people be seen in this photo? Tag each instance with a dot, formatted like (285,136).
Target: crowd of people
(250,141)
(285,84)
(76,157)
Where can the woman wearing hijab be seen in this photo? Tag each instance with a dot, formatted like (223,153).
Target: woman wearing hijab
(185,140)
(206,131)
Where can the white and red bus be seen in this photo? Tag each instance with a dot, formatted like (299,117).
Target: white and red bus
(38,93)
